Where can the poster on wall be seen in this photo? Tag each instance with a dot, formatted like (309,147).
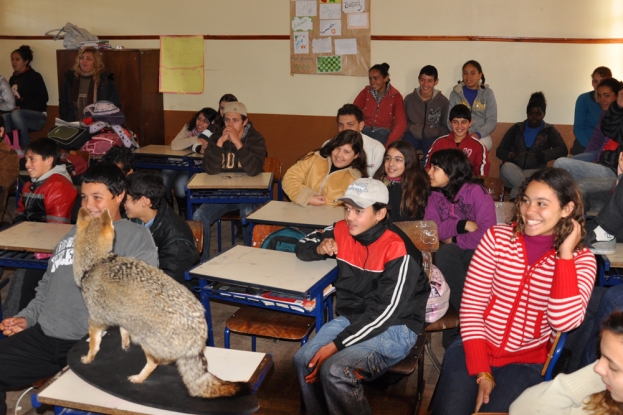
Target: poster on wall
(181,64)
(330,37)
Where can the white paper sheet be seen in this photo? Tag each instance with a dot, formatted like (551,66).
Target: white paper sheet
(330,28)
(330,11)
(322,45)
(354,6)
(345,46)
(306,8)
(301,42)
(302,24)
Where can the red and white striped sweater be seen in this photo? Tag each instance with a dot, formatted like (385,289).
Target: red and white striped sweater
(509,309)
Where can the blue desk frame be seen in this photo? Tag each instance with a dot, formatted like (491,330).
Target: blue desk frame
(206,292)
(603,266)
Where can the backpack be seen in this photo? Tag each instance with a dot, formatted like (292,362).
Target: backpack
(69,138)
(283,239)
(101,143)
(439,297)
(73,35)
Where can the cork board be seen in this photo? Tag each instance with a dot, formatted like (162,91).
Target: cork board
(330,37)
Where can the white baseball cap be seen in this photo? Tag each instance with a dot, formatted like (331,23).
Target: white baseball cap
(363,193)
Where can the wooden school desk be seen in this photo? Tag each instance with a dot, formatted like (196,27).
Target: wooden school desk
(19,243)
(228,188)
(161,157)
(268,270)
(604,265)
(291,214)
(68,390)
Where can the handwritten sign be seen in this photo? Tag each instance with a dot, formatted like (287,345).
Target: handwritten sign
(330,28)
(345,46)
(302,24)
(301,43)
(357,21)
(306,8)
(354,6)
(330,11)
(302,64)
(322,45)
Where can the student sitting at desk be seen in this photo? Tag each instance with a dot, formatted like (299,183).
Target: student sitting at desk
(322,176)
(122,157)
(49,196)
(381,299)
(173,237)
(238,148)
(40,336)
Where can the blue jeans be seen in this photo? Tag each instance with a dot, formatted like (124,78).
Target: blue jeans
(339,390)
(513,176)
(457,390)
(24,121)
(586,156)
(423,144)
(209,213)
(584,170)
(379,134)
(176,180)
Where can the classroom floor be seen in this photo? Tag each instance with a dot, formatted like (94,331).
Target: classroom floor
(279,394)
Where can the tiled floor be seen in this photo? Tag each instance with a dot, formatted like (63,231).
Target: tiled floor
(280,392)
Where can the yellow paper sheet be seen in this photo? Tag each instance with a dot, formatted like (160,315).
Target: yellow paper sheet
(181,64)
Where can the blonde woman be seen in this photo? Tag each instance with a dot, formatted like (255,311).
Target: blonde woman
(85,84)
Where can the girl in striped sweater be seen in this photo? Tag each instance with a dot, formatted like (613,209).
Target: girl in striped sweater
(526,281)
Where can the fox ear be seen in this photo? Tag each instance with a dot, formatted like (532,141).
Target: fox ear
(84,218)
(105,218)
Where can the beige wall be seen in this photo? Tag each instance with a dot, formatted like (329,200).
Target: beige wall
(258,71)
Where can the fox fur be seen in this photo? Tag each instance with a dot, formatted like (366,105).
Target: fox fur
(150,308)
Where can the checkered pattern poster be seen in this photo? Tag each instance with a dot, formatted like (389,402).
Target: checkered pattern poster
(330,37)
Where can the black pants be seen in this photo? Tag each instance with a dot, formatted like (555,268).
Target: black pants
(610,218)
(453,262)
(577,148)
(29,356)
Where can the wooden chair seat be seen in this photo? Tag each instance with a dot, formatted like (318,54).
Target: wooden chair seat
(450,320)
(197,228)
(254,321)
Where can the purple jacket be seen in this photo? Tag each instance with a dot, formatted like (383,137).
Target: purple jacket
(598,139)
(473,202)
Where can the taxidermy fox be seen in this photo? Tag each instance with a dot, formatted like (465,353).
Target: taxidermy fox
(150,308)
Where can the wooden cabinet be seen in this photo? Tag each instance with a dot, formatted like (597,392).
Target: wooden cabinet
(136,79)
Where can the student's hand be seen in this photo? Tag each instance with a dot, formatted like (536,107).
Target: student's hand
(620,99)
(327,247)
(317,200)
(565,251)
(484,390)
(321,355)
(447,241)
(12,325)
(471,226)
(224,137)
(233,137)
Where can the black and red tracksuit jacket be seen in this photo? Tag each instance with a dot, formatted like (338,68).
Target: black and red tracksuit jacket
(381,282)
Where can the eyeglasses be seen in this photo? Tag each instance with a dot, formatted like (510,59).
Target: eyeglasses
(388,159)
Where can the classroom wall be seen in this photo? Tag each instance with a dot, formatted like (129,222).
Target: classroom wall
(257,71)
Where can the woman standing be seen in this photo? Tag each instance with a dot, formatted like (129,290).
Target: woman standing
(85,84)
(31,97)
(382,106)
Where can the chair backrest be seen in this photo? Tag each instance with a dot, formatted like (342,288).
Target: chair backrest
(504,212)
(273,165)
(495,186)
(261,232)
(424,235)
(197,228)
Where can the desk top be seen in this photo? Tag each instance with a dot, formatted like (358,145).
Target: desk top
(616,259)
(264,268)
(230,181)
(291,214)
(33,236)
(160,150)
(69,390)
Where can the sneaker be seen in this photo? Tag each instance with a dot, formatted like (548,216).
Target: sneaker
(602,247)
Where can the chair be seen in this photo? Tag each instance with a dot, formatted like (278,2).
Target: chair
(504,212)
(554,355)
(271,164)
(261,322)
(424,236)
(197,228)
(495,186)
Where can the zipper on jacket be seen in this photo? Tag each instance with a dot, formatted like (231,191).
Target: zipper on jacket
(425,117)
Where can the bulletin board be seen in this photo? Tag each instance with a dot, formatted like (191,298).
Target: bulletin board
(330,37)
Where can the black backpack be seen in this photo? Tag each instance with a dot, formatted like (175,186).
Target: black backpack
(283,239)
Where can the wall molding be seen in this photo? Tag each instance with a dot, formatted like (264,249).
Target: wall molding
(506,39)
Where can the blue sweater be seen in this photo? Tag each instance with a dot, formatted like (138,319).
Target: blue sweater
(587,112)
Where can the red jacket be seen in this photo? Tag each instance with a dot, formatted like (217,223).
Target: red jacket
(50,199)
(509,309)
(389,114)
(476,152)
